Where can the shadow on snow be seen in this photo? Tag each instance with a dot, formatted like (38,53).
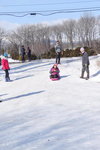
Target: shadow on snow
(96,74)
(64,76)
(39,66)
(23,95)
(23,77)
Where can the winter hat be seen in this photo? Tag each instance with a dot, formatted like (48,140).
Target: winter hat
(82,49)
(5,55)
(55,65)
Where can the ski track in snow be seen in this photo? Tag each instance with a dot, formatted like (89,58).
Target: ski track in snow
(40,114)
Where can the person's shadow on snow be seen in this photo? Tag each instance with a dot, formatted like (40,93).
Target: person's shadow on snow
(23,77)
(31,67)
(96,74)
(64,76)
(3,95)
(23,95)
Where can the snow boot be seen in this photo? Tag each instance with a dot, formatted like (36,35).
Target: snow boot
(82,75)
(7,79)
(87,76)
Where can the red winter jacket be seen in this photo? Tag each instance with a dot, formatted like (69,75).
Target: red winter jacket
(5,64)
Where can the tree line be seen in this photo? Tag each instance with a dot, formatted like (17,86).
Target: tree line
(84,32)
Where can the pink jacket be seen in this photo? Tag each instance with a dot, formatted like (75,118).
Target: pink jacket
(5,64)
(54,71)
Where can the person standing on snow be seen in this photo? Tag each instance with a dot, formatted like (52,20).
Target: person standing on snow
(85,63)
(58,50)
(29,54)
(0,61)
(5,67)
(22,53)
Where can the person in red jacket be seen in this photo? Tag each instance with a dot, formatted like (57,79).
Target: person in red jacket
(5,67)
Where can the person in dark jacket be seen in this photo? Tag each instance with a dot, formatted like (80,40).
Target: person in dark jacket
(23,53)
(29,53)
(0,61)
(58,50)
(85,63)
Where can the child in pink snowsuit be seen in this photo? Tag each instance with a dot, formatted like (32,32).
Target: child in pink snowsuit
(54,72)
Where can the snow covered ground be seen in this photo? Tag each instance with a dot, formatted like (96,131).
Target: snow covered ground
(40,114)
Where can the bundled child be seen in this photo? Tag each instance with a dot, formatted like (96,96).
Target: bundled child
(5,66)
(54,72)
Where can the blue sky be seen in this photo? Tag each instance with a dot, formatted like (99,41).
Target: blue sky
(36,5)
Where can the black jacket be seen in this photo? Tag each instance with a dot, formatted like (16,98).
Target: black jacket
(22,51)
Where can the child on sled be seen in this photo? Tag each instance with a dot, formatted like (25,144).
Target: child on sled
(54,72)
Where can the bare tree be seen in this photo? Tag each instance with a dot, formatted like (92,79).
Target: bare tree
(2,35)
(34,36)
(41,41)
(87,29)
(70,31)
(56,32)
(96,41)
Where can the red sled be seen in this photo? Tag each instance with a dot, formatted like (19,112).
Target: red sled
(54,78)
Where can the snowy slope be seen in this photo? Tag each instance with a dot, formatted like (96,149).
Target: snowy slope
(40,114)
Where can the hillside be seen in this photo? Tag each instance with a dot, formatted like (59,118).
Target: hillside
(40,114)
